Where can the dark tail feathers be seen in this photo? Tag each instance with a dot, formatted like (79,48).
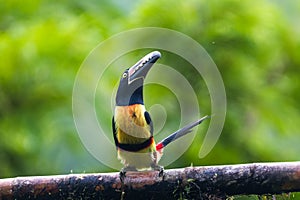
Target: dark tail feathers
(179,133)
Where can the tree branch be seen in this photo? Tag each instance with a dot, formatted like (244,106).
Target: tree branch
(191,182)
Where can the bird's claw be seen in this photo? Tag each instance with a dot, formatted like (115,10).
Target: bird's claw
(123,171)
(160,170)
(122,175)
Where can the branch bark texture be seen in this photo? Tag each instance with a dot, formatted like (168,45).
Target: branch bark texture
(207,182)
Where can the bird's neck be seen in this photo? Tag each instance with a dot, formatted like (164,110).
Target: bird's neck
(137,97)
(131,96)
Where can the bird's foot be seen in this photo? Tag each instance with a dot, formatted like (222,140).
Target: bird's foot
(160,170)
(123,171)
(122,175)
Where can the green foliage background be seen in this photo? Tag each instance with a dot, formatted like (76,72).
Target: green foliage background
(255,44)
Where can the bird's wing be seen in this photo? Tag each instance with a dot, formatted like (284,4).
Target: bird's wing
(149,121)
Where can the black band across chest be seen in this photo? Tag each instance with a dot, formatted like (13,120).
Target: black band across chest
(134,147)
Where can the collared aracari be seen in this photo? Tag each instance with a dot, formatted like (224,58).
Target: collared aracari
(132,124)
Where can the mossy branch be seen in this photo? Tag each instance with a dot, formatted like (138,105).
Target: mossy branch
(207,182)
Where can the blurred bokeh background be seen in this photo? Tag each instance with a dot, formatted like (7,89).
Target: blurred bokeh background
(254,43)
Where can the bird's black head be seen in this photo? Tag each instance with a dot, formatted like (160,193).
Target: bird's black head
(130,89)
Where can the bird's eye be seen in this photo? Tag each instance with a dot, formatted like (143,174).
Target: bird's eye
(124,75)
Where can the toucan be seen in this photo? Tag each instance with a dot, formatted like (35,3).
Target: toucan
(132,125)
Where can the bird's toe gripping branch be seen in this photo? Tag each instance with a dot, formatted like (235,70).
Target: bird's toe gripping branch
(158,168)
(123,171)
(155,167)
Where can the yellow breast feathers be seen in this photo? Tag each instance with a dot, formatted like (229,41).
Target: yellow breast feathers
(131,125)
